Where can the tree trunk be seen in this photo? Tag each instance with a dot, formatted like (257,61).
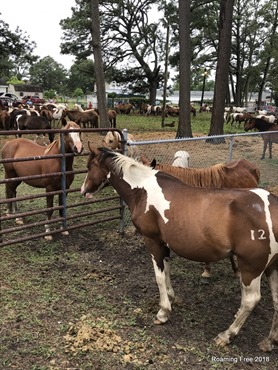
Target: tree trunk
(268,59)
(184,127)
(100,81)
(222,68)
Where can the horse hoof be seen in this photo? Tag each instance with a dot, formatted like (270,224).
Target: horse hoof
(158,322)
(220,341)
(266,345)
(206,274)
(19,221)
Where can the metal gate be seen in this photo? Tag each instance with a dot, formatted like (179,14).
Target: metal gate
(77,212)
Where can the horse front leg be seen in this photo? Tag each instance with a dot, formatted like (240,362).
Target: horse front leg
(160,258)
(49,212)
(264,149)
(250,296)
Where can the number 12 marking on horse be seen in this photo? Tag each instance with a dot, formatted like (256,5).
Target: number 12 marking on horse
(261,233)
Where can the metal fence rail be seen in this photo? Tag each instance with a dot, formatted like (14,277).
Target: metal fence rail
(76,212)
(107,207)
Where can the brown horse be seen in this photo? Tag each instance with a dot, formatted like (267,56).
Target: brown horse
(20,148)
(263,126)
(112,117)
(89,117)
(124,108)
(112,140)
(238,173)
(199,224)
(235,174)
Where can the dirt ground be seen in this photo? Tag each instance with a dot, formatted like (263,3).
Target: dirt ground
(88,302)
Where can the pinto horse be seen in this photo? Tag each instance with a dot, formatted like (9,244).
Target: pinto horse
(20,148)
(263,126)
(199,224)
(238,173)
(25,122)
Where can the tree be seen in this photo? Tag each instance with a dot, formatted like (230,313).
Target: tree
(82,74)
(184,127)
(96,43)
(270,44)
(78,93)
(16,52)
(222,68)
(132,46)
(49,75)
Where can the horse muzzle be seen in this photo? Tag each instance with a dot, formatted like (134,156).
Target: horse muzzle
(78,148)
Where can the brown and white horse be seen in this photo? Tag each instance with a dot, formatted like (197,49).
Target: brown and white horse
(264,126)
(238,173)
(37,170)
(199,224)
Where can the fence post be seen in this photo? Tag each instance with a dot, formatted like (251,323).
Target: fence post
(63,182)
(232,140)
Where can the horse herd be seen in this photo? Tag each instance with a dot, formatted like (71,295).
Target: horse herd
(203,215)
(46,116)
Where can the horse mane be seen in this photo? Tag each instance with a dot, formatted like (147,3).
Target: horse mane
(125,164)
(202,177)
(50,146)
(217,176)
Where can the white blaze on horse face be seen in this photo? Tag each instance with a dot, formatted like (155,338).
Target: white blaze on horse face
(155,196)
(77,141)
(273,244)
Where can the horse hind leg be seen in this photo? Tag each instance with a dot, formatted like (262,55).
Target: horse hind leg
(266,345)
(49,212)
(11,193)
(207,270)
(250,296)
(270,149)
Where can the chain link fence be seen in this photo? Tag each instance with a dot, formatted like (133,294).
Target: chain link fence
(203,153)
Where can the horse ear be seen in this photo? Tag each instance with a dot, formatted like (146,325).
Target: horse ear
(153,163)
(145,161)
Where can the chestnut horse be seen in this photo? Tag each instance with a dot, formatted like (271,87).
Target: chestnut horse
(263,126)
(200,224)
(112,140)
(238,173)
(20,148)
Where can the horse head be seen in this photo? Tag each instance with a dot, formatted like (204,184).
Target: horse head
(72,139)
(97,175)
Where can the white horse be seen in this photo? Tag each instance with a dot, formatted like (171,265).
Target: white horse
(181,159)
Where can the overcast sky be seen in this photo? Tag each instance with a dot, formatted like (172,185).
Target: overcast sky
(40,20)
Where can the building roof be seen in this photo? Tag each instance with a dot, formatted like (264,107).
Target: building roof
(33,88)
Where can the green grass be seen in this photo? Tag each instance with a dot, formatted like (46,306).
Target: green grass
(136,123)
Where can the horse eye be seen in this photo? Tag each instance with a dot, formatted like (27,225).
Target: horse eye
(110,141)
